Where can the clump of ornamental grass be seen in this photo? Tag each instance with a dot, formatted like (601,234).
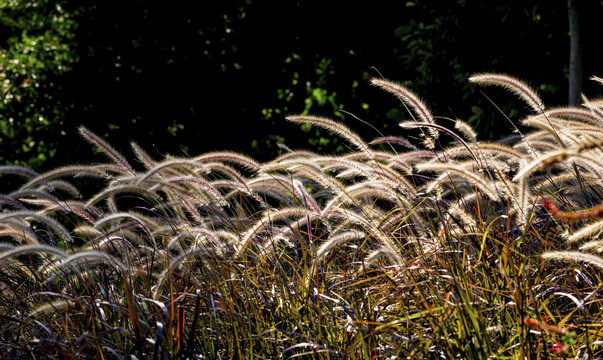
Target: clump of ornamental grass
(453,247)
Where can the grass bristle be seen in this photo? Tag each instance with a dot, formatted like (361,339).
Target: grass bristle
(514,85)
(390,251)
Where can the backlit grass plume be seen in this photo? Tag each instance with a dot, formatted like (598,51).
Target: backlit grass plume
(438,249)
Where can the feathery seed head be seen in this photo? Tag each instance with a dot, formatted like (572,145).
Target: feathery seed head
(516,86)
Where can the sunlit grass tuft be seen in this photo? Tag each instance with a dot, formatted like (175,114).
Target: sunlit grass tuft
(461,249)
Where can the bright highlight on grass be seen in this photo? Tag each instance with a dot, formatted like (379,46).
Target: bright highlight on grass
(445,248)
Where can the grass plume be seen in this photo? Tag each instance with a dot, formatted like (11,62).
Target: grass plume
(433,250)
(514,85)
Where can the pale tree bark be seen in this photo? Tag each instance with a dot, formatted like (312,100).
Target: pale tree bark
(575,62)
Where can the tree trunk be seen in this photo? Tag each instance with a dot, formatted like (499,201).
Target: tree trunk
(575,62)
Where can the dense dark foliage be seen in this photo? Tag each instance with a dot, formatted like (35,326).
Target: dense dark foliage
(198,76)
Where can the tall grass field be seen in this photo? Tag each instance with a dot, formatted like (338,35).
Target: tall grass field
(434,245)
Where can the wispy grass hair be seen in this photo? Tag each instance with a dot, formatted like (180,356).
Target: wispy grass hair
(516,86)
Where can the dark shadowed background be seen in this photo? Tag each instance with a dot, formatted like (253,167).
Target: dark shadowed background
(190,77)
